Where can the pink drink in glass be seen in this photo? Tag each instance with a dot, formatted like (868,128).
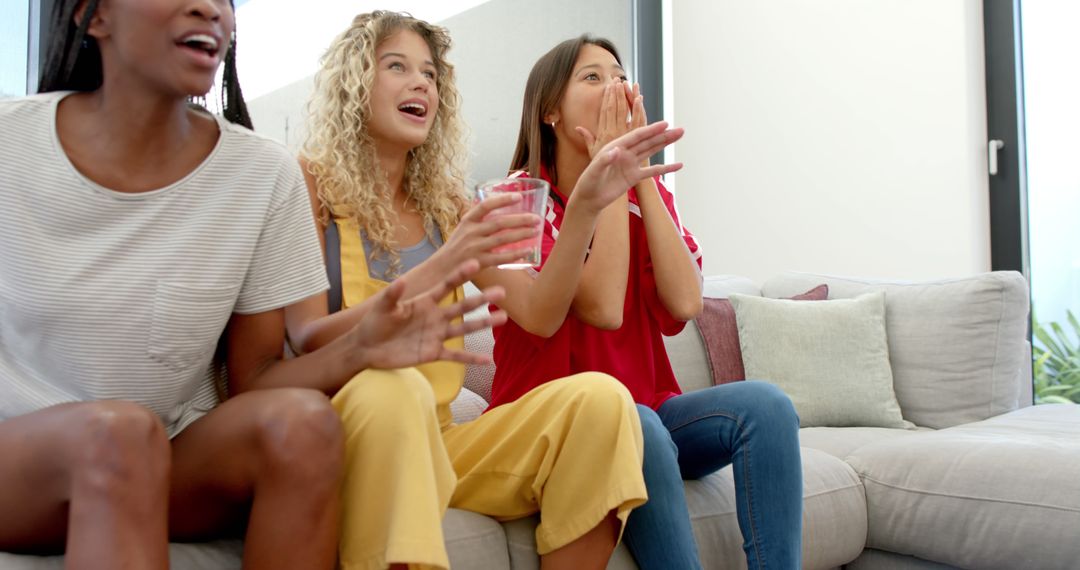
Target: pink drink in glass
(534,194)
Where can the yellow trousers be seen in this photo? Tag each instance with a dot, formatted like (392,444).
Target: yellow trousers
(570,450)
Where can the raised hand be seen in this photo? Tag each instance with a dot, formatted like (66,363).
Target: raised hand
(477,234)
(622,163)
(637,108)
(398,333)
(613,114)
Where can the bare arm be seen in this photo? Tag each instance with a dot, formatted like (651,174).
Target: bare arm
(394,333)
(311,326)
(678,278)
(601,290)
(540,305)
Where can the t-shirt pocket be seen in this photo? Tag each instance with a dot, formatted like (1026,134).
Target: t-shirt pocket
(187,322)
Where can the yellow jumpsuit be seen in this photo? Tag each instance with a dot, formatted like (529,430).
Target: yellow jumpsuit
(570,450)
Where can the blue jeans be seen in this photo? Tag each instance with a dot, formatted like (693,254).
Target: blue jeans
(751,425)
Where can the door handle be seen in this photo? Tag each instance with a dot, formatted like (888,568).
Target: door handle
(992,149)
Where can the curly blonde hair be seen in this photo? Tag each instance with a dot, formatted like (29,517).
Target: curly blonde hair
(340,151)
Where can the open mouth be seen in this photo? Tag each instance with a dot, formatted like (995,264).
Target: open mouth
(414,109)
(201,43)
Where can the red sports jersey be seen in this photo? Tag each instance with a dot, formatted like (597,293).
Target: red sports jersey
(634,353)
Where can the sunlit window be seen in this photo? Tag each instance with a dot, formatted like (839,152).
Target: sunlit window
(14,28)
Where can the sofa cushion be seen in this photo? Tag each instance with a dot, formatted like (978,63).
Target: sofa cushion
(720,335)
(841,441)
(834,520)
(1001,493)
(957,346)
(521,543)
(474,541)
(874,559)
(219,555)
(830,357)
(834,515)
(689,361)
(478,377)
(467,406)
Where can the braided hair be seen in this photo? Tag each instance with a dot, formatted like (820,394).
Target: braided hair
(73,61)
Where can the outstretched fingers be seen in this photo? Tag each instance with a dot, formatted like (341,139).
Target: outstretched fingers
(655,143)
(660,170)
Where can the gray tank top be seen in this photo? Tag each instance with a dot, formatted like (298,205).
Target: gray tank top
(378,267)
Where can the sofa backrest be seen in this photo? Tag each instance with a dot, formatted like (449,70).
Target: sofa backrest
(958,347)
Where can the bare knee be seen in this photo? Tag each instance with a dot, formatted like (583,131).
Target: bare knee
(116,444)
(299,433)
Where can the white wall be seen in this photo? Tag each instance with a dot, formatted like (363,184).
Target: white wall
(839,136)
(495,46)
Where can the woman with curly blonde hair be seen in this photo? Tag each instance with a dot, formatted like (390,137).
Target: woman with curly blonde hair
(383,165)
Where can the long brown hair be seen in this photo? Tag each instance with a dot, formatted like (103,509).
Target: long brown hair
(543,92)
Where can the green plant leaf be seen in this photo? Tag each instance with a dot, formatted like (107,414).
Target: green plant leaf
(1074,322)
(1048,341)
(1055,400)
(1062,338)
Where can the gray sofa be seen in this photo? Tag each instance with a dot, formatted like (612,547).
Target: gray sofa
(985,481)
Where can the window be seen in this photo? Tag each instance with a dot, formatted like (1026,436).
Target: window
(1033,115)
(14,47)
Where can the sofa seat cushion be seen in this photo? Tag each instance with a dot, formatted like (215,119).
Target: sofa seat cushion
(834,515)
(521,543)
(874,559)
(467,406)
(474,541)
(1000,493)
(834,520)
(840,442)
(219,555)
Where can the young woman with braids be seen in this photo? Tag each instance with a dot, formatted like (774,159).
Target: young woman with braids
(383,161)
(136,231)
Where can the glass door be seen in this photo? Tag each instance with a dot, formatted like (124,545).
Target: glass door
(14,45)
(1050,59)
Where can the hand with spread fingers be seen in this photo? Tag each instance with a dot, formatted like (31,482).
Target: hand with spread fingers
(399,333)
(622,163)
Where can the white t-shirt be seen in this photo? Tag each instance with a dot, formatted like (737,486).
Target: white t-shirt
(109,295)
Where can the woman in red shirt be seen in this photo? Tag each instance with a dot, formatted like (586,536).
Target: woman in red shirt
(641,281)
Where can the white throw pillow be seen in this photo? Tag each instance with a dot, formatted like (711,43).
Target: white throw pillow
(830,357)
